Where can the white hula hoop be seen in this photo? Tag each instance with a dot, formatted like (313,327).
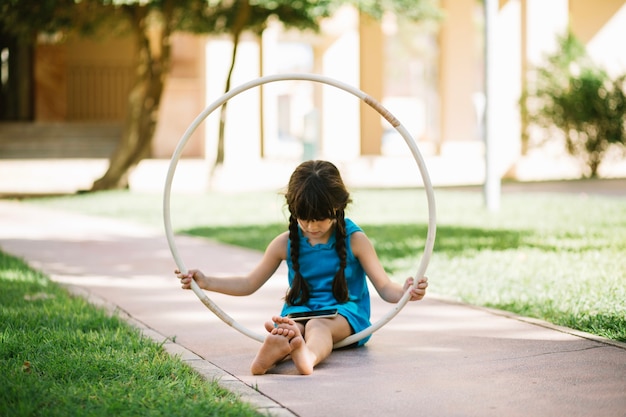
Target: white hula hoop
(430,238)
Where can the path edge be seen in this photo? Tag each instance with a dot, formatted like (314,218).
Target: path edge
(206,369)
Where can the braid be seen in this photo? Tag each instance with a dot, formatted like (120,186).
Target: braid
(340,286)
(298,294)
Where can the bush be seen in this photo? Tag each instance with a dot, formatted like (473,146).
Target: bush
(575,97)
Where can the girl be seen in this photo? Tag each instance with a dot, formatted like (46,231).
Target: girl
(328,257)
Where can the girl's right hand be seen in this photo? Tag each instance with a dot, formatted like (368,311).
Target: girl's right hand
(192,274)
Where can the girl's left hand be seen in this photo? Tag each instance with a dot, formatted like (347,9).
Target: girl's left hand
(419,291)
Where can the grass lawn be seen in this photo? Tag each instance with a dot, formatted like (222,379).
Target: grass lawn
(556,257)
(60,356)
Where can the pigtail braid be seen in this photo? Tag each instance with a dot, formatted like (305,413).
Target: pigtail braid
(340,286)
(298,294)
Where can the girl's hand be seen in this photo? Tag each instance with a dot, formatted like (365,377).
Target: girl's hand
(185,279)
(419,291)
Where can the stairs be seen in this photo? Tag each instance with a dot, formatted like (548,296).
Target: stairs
(58,140)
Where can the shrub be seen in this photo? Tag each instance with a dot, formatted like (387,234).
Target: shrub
(577,98)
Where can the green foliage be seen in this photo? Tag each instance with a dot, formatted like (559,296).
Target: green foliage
(411,9)
(26,19)
(59,356)
(29,18)
(572,95)
(221,16)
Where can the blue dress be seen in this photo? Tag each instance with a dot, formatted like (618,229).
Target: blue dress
(318,265)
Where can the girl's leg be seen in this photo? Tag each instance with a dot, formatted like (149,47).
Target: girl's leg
(319,337)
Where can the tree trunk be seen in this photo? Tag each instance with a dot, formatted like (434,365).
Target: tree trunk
(144,100)
(243,14)
(219,159)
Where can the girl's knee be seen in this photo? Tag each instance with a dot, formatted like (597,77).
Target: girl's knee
(313,325)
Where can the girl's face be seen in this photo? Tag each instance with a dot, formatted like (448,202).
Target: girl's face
(317,231)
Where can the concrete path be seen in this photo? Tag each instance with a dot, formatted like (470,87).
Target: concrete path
(435,358)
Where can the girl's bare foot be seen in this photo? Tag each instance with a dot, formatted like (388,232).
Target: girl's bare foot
(274,349)
(302,357)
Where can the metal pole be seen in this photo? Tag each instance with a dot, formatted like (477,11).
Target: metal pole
(492,179)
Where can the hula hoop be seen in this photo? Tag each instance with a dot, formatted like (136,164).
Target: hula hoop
(430,237)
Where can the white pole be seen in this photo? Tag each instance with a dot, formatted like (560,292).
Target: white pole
(492,178)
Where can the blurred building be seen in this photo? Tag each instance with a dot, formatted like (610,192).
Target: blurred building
(429,76)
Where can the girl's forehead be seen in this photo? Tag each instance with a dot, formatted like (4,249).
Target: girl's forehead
(327,219)
(313,213)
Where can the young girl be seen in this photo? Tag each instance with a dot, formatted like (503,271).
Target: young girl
(328,257)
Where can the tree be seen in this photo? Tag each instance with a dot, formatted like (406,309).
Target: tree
(572,95)
(304,15)
(151,23)
(246,16)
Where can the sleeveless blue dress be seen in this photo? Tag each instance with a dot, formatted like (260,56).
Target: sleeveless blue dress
(318,265)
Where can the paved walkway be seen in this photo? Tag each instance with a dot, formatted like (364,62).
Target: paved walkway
(435,358)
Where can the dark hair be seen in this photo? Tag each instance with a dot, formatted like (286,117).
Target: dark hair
(317,192)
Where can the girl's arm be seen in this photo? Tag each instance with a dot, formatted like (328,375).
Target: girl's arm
(388,290)
(275,253)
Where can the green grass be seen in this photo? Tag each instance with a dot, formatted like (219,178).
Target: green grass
(554,257)
(60,356)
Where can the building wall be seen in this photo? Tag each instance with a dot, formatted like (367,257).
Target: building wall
(83,80)
(87,80)
(371,74)
(183,98)
(459,73)
(50,83)
(601,25)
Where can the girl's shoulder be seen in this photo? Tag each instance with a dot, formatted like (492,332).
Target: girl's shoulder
(278,246)
(282,239)
(351,227)
(357,238)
